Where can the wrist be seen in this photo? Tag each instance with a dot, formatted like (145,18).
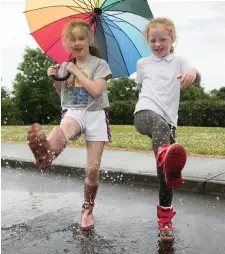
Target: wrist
(56,83)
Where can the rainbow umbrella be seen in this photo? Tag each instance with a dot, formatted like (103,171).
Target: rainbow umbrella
(118,28)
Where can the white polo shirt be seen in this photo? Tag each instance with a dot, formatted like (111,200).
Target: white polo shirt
(158,85)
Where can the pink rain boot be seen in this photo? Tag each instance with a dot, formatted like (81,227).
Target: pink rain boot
(45,150)
(165,215)
(87,222)
(172,159)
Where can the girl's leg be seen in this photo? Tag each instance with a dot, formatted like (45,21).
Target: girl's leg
(45,150)
(151,124)
(94,155)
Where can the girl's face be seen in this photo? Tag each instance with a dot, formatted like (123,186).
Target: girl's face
(79,43)
(160,41)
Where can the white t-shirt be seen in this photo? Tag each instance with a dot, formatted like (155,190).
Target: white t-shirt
(158,85)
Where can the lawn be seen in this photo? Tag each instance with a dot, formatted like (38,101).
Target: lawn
(197,140)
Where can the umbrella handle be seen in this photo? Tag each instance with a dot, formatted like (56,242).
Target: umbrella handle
(67,75)
(62,78)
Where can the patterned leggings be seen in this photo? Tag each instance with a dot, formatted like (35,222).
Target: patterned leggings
(153,125)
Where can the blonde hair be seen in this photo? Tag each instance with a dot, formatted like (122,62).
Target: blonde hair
(68,36)
(167,25)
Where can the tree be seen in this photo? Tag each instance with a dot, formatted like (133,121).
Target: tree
(10,112)
(33,90)
(193,93)
(218,94)
(123,89)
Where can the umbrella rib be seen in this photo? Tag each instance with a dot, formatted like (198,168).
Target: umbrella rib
(122,20)
(89,17)
(127,37)
(106,32)
(72,8)
(80,6)
(55,21)
(103,2)
(96,3)
(52,7)
(118,28)
(102,31)
(90,4)
(58,20)
(53,44)
(123,12)
(87,5)
(111,5)
(118,47)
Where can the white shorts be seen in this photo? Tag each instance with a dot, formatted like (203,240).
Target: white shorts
(94,124)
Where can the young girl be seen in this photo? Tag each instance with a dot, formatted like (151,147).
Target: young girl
(159,78)
(84,101)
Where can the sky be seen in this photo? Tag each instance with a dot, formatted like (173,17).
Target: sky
(200,29)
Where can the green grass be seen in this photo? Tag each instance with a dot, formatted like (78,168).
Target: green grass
(197,140)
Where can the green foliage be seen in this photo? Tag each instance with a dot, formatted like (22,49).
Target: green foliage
(121,112)
(123,89)
(193,93)
(208,113)
(123,96)
(10,112)
(33,90)
(218,94)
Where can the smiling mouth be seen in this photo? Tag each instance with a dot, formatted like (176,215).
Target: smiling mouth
(78,50)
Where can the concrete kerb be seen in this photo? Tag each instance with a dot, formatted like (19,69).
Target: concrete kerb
(215,188)
(192,185)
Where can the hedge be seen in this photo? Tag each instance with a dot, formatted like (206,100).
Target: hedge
(191,113)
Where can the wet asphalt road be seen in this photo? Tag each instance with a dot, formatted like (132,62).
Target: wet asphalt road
(41,214)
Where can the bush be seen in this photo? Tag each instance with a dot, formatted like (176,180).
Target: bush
(196,113)
(121,112)
(11,114)
(208,113)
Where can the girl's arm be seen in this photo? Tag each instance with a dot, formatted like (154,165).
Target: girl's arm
(53,71)
(57,85)
(95,88)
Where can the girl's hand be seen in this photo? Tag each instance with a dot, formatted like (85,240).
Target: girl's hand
(188,77)
(53,71)
(72,68)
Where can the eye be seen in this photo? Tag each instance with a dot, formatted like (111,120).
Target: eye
(152,41)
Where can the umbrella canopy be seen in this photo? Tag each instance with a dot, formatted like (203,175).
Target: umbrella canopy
(117,26)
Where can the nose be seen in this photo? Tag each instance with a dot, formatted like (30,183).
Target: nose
(157,44)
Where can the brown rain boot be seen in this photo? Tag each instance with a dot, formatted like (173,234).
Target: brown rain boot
(87,222)
(45,150)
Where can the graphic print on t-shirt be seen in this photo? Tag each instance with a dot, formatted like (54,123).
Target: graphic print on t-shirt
(80,96)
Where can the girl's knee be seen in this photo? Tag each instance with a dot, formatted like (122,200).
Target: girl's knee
(92,172)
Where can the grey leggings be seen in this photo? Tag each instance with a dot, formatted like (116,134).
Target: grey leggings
(153,125)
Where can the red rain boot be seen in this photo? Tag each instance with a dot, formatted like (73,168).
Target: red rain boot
(87,222)
(165,215)
(45,150)
(172,159)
